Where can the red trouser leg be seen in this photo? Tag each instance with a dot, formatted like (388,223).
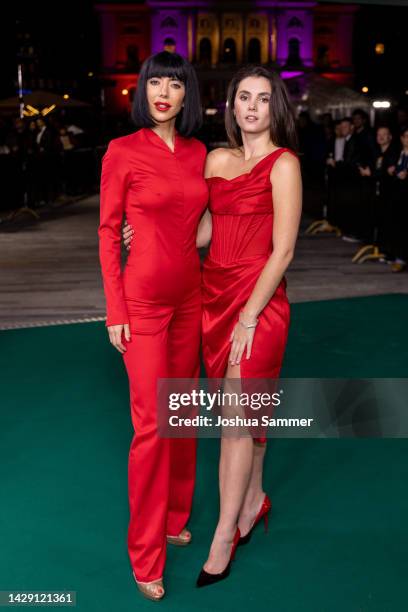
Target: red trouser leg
(184,362)
(157,466)
(148,466)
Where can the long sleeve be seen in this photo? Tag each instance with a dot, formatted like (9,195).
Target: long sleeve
(114,181)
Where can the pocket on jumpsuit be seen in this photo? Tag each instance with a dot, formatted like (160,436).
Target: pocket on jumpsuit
(147,318)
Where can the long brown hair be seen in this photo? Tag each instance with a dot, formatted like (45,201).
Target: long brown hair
(283,127)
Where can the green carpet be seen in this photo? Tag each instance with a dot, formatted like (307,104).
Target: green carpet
(337,540)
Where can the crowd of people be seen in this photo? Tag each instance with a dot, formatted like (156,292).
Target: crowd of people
(43,159)
(366,174)
(365,170)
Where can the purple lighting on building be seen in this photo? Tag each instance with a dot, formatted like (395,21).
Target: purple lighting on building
(293,23)
(295,38)
(287,74)
(169,24)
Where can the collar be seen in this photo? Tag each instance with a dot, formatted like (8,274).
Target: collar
(157,140)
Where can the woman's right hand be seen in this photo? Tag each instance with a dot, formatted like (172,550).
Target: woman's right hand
(115,336)
(127,233)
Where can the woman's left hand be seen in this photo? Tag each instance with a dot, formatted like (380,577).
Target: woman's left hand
(127,234)
(241,339)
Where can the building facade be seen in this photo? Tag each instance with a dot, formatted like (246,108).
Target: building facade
(292,36)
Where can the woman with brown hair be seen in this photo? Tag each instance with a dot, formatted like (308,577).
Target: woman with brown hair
(254,212)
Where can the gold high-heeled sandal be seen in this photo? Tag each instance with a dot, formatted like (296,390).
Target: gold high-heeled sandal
(183,539)
(149,589)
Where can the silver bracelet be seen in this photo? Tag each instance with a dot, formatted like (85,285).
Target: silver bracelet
(248,325)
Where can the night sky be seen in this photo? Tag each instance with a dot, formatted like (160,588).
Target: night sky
(65,37)
(384,74)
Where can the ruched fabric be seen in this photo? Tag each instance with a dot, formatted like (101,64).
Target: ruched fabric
(242,220)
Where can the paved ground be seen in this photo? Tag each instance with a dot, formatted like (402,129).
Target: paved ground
(50,269)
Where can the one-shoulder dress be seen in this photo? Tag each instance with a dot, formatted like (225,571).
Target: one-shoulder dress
(242,223)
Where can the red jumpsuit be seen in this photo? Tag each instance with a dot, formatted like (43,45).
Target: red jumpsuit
(163,195)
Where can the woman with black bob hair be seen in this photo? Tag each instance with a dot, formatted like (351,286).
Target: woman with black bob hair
(154,177)
(170,65)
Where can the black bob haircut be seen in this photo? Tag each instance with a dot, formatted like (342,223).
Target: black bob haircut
(165,64)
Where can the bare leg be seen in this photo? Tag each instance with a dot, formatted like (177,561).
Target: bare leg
(254,494)
(235,468)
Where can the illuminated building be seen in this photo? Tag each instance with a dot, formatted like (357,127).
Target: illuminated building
(291,36)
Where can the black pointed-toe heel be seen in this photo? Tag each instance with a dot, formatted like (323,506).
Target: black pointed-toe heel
(205,578)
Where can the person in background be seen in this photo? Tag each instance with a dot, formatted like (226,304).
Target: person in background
(378,180)
(328,128)
(65,138)
(402,120)
(77,134)
(400,207)
(48,148)
(312,146)
(344,151)
(32,137)
(365,140)
(344,180)
(69,171)
(22,143)
(337,143)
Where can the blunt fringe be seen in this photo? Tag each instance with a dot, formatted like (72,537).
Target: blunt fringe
(166,64)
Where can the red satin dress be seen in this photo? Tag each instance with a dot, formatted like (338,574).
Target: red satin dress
(242,224)
(163,194)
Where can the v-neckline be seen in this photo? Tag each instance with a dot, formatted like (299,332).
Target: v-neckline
(222,178)
(172,151)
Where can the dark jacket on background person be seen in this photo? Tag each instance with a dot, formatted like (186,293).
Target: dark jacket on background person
(384,160)
(402,162)
(366,146)
(351,155)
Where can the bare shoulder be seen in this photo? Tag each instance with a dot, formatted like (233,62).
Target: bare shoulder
(286,165)
(219,154)
(217,159)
